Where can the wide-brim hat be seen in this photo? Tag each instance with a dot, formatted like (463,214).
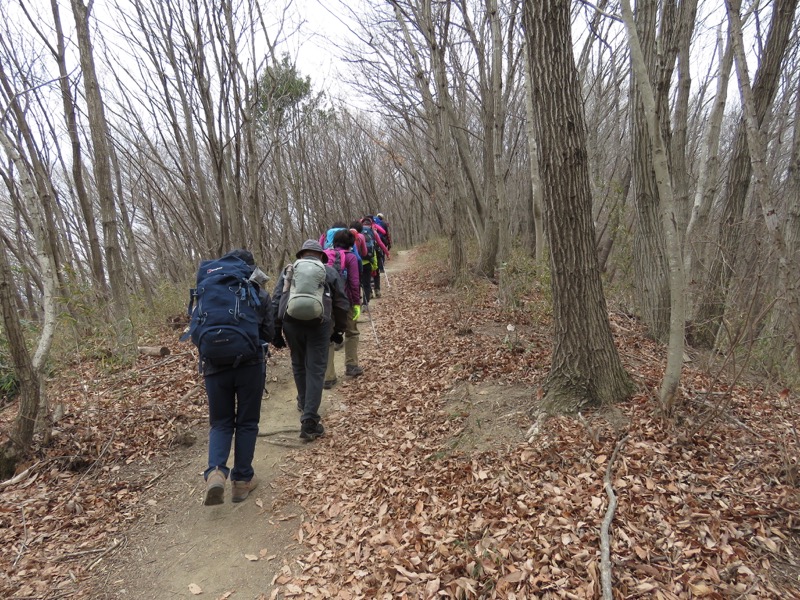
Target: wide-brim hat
(314,246)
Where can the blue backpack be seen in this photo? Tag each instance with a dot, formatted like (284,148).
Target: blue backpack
(223,308)
(369,238)
(329,236)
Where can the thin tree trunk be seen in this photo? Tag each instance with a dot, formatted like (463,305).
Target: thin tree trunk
(85,203)
(711,307)
(788,267)
(102,172)
(536,182)
(668,394)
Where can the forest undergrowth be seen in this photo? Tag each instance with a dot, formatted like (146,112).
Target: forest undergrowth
(432,480)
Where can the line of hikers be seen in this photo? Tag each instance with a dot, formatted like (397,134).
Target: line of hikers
(314,309)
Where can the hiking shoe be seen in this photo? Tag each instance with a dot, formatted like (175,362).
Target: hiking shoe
(241,489)
(353,371)
(215,488)
(328,384)
(377,293)
(311,430)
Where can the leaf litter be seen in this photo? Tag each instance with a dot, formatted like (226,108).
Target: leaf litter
(427,483)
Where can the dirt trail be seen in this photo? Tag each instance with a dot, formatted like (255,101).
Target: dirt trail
(233,551)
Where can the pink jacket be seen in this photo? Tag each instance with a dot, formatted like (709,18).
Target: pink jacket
(361,243)
(378,229)
(353,283)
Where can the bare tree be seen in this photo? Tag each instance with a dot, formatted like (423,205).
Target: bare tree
(101,154)
(710,308)
(586,368)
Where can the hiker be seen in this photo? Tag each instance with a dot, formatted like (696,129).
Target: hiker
(342,254)
(234,376)
(386,237)
(376,250)
(311,309)
(326,239)
(366,263)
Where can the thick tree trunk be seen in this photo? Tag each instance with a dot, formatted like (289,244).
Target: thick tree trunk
(586,368)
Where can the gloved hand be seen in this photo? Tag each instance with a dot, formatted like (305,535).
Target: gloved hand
(356,312)
(337,337)
(278,341)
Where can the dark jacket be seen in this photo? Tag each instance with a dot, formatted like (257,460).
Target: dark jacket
(340,305)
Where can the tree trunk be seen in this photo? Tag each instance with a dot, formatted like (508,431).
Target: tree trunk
(668,393)
(586,368)
(85,203)
(649,245)
(711,307)
(788,266)
(102,172)
(536,182)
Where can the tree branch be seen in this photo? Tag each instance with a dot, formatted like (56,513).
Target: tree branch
(605,545)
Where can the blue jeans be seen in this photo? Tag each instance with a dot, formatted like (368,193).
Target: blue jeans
(234,409)
(308,344)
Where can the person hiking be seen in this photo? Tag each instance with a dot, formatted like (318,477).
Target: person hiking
(342,254)
(366,263)
(376,250)
(386,236)
(311,309)
(326,239)
(233,366)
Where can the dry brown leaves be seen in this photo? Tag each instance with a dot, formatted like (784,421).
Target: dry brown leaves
(74,506)
(395,509)
(395,512)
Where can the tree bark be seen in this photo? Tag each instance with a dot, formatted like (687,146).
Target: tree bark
(98,127)
(586,368)
(710,309)
(668,394)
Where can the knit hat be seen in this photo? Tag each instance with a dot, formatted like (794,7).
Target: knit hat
(314,246)
(379,215)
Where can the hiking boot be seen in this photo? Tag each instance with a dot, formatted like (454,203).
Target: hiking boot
(377,293)
(328,384)
(353,371)
(241,489)
(338,346)
(311,430)
(215,488)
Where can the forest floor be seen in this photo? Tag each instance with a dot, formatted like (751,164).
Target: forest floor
(434,478)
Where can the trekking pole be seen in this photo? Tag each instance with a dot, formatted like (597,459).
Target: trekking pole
(371,322)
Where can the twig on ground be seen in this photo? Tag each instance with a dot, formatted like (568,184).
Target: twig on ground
(115,544)
(605,544)
(19,476)
(277,431)
(24,543)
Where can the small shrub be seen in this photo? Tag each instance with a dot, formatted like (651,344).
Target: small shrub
(523,286)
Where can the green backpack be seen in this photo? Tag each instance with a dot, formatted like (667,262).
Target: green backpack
(307,294)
